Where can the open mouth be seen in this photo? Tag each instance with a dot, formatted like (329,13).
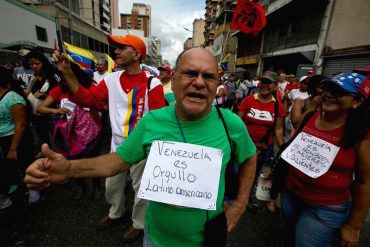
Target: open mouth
(196,95)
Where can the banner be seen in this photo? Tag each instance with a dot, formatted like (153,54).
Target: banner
(249,17)
(82,57)
(182,174)
(109,63)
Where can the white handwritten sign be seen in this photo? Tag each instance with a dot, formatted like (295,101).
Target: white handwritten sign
(311,155)
(182,174)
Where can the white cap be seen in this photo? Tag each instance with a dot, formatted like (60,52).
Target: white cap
(303,78)
(23,52)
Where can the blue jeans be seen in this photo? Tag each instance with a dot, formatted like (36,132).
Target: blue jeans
(308,225)
(146,241)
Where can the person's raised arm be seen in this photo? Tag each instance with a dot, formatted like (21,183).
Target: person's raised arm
(247,172)
(54,168)
(64,66)
(350,231)
(95,97)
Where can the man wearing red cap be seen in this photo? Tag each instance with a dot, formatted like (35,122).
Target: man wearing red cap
(165,74)
(130,94)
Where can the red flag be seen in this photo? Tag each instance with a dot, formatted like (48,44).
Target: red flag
(249,17)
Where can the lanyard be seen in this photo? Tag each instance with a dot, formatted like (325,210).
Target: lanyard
(180,127)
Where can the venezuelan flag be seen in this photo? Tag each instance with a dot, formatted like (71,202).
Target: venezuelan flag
(152,70)
(109,63)
(82,57)
(225,62)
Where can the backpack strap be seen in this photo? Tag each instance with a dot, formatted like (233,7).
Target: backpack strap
(149,82)
(225,127)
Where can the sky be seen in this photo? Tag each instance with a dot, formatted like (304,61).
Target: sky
(169,17)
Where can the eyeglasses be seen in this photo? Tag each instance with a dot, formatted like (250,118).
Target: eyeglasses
(191,75)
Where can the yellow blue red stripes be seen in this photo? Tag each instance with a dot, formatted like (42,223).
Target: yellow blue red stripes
(131,112)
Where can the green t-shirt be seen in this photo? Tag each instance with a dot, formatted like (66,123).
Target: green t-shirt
(168,225)
(7,125)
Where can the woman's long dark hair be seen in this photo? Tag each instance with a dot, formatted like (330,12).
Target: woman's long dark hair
(357,126)
(7,81)
(49,71)
(314,82)
(82,77)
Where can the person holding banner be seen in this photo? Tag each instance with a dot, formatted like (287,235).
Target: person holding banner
(322,197)
(180,207)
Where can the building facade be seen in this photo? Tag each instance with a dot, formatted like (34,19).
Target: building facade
(114,13)
(301,35)
(82,23)
(31,29)
(139,19)
(198,32)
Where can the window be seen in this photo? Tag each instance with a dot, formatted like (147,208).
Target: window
(41,34)
(91,43)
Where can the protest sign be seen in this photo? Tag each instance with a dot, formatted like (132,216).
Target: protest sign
(182,174)
(311,155)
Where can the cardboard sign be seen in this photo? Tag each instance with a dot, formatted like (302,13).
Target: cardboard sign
(182,174)
(311,155)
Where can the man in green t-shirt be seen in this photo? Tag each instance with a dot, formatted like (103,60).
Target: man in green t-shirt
(191,120)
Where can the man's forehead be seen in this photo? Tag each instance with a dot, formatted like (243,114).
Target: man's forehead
(198,59)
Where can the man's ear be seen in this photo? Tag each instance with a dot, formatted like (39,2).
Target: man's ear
(137,55)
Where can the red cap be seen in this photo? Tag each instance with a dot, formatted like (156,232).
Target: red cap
(365,70)
(132,40)
(310,72)
(166,68)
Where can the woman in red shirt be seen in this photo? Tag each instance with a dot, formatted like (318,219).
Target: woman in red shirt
(52,105)
(315,207)
(263,115)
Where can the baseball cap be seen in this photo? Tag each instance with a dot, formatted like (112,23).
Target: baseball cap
(311,72)
(132,40)
(365,70)
(23,52)
(165,68)
(269,75)
(303,78)
(352,83)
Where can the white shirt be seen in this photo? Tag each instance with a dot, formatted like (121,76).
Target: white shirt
(282,86)
(98,77)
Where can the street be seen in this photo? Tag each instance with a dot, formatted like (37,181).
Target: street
(59,220)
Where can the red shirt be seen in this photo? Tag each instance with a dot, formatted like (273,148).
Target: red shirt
(259,116)
(333,187)
(97,97)
(57,95)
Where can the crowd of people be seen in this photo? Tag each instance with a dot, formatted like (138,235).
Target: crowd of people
(56,103)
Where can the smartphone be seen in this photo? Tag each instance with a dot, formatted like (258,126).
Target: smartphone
(60,42)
